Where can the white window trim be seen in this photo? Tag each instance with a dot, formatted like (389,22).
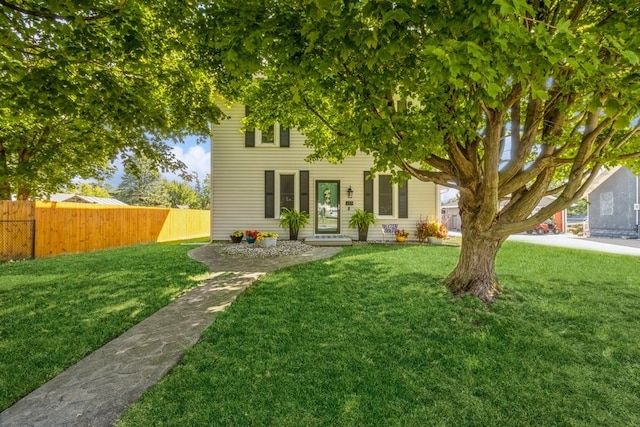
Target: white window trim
(296,189)
(276,137)
(376,199)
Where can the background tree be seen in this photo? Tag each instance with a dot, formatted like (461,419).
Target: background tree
(498,99)
(82,82)
(93,189)
(581,207)
(202,190)
(181,193)
(142,185)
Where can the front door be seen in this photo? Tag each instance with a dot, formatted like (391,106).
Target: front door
(327,207)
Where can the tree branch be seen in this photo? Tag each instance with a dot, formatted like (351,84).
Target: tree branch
(513,96)
(53,16)
(440,178)
(627,137)
(577,11)
(629,156)
(322,119)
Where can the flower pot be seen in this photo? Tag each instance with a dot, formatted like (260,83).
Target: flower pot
(362,234)
(269,242)
(292,235)
(434,240)
(236,239)
(251,240)
(401,239)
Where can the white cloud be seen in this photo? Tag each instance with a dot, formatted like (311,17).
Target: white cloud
(195,157)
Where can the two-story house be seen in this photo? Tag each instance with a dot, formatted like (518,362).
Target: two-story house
(256,173)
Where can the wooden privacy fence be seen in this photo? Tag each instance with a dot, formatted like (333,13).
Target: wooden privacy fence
(79,227)
(17,230)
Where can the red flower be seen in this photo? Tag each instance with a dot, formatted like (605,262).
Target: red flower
(253,234)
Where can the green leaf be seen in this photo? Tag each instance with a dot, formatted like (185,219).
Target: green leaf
(506,8)
(398,15)
(611,107)
(631,56)
(475,76)
(493,90)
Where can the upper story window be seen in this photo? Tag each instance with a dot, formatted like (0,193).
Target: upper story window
(274,136)
(269,136)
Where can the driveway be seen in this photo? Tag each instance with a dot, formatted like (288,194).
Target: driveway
(614,246)
(565,240)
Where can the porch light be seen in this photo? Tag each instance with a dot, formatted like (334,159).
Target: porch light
(349,192)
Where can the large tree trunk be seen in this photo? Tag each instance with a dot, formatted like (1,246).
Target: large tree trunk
(475,273)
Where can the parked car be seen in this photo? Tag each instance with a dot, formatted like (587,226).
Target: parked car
(544,228)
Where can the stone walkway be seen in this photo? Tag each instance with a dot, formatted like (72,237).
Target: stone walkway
(97,390)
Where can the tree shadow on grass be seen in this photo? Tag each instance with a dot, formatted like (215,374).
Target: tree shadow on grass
(55,311)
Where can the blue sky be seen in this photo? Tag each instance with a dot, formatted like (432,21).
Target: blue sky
(197,157)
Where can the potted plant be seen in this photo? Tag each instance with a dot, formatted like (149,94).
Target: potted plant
(422,227)
(293,220)
(267,239)
(251,235)
(362,220)
(236,236)
(436,232)
(401,235)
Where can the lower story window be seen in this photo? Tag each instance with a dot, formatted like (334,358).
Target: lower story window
(385,195)
(287,191)
(384,198)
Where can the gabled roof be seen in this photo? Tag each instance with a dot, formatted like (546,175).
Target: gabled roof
(601,178)
(61,197)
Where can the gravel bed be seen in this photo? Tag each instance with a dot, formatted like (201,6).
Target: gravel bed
(282,248)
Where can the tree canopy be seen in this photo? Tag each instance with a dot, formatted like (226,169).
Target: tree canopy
(504,100)
(142,185)
(93,189)
(82,82)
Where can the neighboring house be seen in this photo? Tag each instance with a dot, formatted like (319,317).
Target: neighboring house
(255,174)
(451,214)
(614,204)
(75,198)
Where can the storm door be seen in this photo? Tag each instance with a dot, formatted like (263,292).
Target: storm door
(327,207)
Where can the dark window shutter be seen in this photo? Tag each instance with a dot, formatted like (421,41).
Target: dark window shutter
(304,191)
(368,192)
(403,200)
(250,138)
(284,137)
(250,134)
(269,194)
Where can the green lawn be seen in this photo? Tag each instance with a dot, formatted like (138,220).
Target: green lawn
(55,311)
(370,337)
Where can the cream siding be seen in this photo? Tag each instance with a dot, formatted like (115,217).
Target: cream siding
(237,184)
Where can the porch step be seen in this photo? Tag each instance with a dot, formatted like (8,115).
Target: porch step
(332,240)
